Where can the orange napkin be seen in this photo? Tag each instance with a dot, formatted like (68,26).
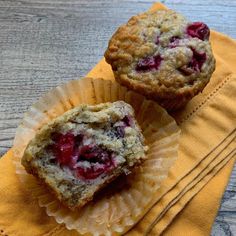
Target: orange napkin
(207,148)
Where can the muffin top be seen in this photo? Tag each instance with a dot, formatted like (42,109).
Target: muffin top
(162,52)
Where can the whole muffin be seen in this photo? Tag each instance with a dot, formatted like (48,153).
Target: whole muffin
(163,56)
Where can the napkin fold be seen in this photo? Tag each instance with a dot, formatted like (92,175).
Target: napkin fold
(207,150)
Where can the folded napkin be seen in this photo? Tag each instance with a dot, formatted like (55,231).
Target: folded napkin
(207,150)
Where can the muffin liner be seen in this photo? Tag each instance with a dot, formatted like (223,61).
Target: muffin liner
(116,211)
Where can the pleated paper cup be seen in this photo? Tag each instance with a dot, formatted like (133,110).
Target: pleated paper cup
(114,212)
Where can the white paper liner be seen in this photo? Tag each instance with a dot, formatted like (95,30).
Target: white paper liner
(116,213)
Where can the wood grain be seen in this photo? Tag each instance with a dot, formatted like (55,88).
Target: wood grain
(44,43)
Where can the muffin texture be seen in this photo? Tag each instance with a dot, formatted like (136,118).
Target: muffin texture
(163,56)
(83,150)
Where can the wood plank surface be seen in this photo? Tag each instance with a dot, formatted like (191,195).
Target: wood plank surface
(44,43)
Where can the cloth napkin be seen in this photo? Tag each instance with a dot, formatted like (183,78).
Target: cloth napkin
(190,197)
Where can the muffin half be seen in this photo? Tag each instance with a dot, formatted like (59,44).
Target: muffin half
(83,150)
(163,56)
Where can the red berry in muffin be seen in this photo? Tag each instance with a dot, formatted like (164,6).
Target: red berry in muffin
(198,30)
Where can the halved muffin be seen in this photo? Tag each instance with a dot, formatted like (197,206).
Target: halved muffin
(83,150)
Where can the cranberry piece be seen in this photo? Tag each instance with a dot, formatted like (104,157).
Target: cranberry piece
(174,41)
(149,63)
(100,160)
(120,130)
(78,139)
(93,172)
(93,153)
(63,147)
(127,120)
(198,30)
(87,152)
(195,64)
(157,40)
(89,173)
(197,60)
(68,150)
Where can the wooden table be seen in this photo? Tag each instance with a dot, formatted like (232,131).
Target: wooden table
(44,43)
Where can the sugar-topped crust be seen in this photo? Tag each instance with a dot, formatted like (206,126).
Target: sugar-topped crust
(181,62)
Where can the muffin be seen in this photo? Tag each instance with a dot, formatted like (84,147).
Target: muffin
(83,150)
(163,56)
